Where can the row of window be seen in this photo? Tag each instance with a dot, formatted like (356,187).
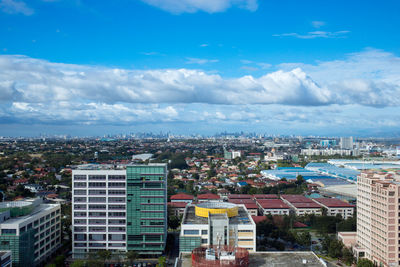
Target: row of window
(99,214)
(99,199)
(99,177)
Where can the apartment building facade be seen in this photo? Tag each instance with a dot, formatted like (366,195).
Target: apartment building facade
(378,217)
(119,208)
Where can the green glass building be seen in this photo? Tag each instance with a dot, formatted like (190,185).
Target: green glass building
(146,208)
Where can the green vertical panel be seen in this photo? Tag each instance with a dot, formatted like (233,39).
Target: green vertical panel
(187,244)
(146,208)
(22,248)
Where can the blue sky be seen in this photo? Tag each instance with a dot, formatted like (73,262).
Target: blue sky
(86,67)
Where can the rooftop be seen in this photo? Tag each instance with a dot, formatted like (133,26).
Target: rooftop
(270,259)
(208,196)
(296,199)
(239,196)
(265,196)
(93,166)
(333,202)
(191,218)
(273,204)
(21,219)
(182,196)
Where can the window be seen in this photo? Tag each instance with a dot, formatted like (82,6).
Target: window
(97,214)
(116,207)
(111,185)
(97,207)
(97,199)
(79,177)
(97,177)
(97,192)
(80,199)
(135,238)
(204,232)
(116,192)
(79,192)
(8,231)
(116,200)
(116,214)
(5,243)
(116,177)
(97,184)
(97,221)
(79,184)
(204,240)
(190,232)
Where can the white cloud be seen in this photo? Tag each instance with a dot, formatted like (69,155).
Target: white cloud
(16,7)
(200,61)
(317,24)
(209,6)
(314,34)
(38,90)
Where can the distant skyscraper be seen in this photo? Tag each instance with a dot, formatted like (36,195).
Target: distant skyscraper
(346,142)
(119,208)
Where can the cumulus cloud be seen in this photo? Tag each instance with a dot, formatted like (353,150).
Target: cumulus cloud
(15,7)
(38,90)
(209,6)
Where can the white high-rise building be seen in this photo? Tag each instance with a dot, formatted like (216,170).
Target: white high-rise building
(346,142)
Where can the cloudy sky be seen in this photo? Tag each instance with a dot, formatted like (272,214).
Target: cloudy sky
(85,67)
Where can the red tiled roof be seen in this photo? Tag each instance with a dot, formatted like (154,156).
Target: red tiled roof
(241,201)
(239,196)
(251,205)
(265,196)
(272,204)
(208,196)
(310,205)
(299,225)
(258,219)
(333,203)
(296,199)
(182,196)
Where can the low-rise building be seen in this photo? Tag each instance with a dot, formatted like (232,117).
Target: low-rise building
(302,205)
(208,198)
(273,207)
(182,198)
(335,206)
(213,223)
(178,208)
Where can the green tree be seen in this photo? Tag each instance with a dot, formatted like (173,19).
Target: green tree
(173,222)
(347,256)
(365,263)
(59,260)
(304,239)
(104,255)
(78,263)
(131,256)
(162,262)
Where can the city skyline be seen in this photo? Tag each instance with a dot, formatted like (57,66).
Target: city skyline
(204,67)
